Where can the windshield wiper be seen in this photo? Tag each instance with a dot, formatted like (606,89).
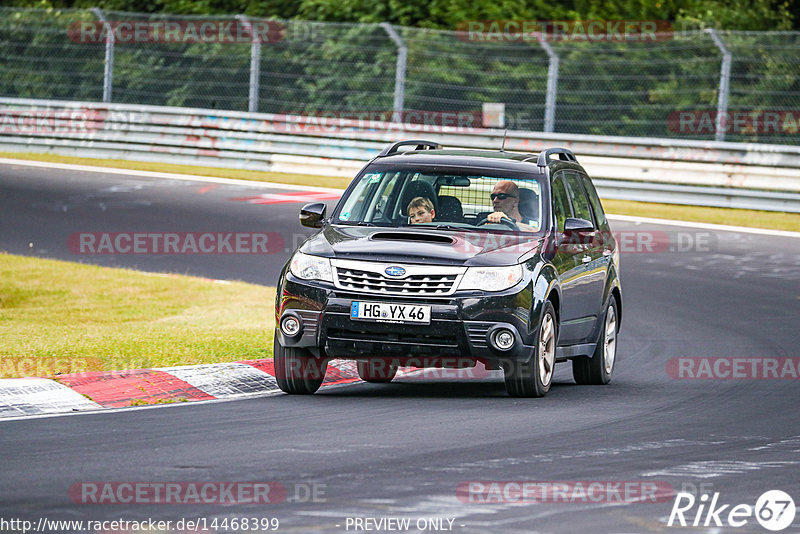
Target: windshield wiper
(429,226)
(451,227)
(357,223)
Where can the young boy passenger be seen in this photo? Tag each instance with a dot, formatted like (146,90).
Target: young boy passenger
(420,210)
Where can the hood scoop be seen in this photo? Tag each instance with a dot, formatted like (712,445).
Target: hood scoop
(414,237)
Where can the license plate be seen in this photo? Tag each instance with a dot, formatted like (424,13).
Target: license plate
(387,312)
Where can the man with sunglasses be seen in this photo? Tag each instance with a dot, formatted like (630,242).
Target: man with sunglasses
(505,202)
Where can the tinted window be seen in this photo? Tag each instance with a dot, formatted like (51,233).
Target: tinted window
(580,204)
(561,209)
(597,208)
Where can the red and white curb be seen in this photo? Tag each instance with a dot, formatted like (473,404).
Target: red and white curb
(100,390)
(28,396)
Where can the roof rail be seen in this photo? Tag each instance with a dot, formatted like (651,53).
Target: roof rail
(421,145)
(544,155)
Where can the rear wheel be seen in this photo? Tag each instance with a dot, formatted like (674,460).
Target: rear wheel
(297,371)
(377,371)
(598,369)
(533,379)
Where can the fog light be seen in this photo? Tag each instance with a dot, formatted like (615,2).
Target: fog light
(504,339)
(290,325)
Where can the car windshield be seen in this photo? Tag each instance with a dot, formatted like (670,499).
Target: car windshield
(472,202)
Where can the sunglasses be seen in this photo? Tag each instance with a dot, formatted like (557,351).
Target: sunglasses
(501,196)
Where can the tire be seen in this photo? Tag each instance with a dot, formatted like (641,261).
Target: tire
(533,379)
(377,371)
(598,369)
(297,371)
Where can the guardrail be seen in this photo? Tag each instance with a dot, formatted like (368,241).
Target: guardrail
(755,176)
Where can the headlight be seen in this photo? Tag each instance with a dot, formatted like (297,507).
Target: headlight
(491,278)
(311,267)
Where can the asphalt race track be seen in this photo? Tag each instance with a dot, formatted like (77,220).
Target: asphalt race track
(402,450)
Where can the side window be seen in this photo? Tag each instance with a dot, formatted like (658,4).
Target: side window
(561,208)
(597,207)
(359,197)
(580,204)
(387,186)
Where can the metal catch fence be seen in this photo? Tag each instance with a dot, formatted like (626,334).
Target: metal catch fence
(699,85)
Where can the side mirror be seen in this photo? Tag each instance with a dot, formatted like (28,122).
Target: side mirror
(312,215)
(572,225)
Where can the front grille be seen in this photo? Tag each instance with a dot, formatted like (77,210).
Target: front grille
(346,343)
(407,338)
(373,282)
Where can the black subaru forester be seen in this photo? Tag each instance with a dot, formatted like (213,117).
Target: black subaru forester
(507,260)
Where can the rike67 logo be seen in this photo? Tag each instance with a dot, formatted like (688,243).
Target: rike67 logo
(774,510)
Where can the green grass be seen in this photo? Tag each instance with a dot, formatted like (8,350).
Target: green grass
(734,217)
(62,317)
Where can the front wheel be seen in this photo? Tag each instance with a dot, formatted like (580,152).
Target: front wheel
(598,369)
(533,379)
(297,371)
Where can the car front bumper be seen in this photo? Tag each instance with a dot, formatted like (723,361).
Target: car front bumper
(460,326)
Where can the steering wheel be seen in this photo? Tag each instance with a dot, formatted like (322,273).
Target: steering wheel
(503,220)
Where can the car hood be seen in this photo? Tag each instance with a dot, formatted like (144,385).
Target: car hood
(422,246)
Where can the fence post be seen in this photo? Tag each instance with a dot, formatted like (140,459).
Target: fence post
(255,65)
(399,74)
(552,85)
(108,70)
(724,84)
